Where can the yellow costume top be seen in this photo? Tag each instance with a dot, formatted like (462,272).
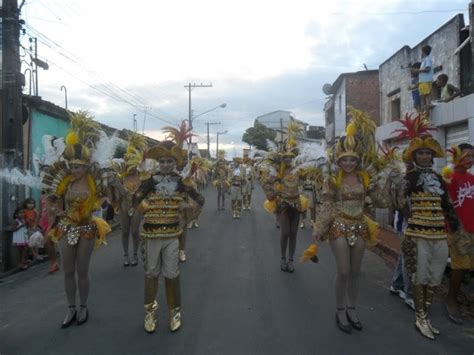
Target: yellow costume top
(78,221)
(342,212)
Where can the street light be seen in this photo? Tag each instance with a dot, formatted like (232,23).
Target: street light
(134,122)
(192,118)
(65,94)
(217,143)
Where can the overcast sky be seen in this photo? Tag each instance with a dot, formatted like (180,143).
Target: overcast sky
(117,57)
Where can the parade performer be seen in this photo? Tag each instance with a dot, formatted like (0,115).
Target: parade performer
(129,176)
(220,180)
(180,135)
(426,198)
(237,177)
(163,198)
(248,185)
(76,185)
(284,199)
(342,218)
(460,185)
(199,170)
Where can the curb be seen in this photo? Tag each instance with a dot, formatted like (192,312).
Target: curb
(14,270)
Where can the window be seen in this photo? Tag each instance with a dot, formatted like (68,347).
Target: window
(395,109)
(340,103)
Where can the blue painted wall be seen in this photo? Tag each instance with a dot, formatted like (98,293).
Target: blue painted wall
(42,124)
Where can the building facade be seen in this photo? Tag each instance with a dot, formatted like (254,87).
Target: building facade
(452,55)
(359,90)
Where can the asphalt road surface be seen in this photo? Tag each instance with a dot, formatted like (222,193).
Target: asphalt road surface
(235,301)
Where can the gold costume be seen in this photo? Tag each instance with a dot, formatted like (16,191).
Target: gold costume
(343,211)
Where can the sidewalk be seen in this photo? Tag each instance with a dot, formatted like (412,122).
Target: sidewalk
(388,246)
(114,225)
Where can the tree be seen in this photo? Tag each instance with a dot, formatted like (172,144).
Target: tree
(257,136)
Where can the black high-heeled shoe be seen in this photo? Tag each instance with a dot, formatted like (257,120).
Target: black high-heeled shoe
(69,319)
(357,325)
(82,319)
(346,328)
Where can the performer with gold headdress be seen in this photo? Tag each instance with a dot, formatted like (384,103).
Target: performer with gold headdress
(237,177)
(248,187)
(130,178)
(426,198)
(284,199)
(220,180)
(75,188)
(163,199)
(342,218)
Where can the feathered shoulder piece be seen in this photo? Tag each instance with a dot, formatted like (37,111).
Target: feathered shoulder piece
(57,178)
(417,129)
(179,134)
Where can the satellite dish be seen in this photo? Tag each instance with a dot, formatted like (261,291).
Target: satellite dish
(327,88)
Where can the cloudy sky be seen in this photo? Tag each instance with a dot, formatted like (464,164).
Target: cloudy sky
(117,58)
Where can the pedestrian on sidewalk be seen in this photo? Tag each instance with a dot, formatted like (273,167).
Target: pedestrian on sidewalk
(20,237)
(342,217)
(401,284)
(31,222)
(460,184)
(162,199)
(425,196)
(44,224)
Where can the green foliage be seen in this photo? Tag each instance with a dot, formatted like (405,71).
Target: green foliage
(120,151)
(257,136)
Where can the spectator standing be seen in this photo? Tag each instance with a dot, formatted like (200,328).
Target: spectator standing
(31,221)
(45,224)
(425,77)
(460,185)
(20,237)
(415,93)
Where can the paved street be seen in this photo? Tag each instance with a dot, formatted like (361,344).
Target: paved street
(235,301)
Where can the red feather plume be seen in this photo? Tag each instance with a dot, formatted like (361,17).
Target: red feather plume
(414,126)
(179,135)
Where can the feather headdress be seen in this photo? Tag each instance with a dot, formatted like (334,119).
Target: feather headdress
(458,159)
(417,129)
(179,134)
(360,138)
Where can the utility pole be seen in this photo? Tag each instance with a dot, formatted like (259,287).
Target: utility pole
(190,116)
(208,140)
(11,136)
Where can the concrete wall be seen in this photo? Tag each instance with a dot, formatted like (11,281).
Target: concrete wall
(444,42)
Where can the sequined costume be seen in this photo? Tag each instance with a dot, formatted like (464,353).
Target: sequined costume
(220,180)
(424,197)
(284,199)
(162,199)
(348,193)
(130,173)
(238,179)
(76,186)
(248,185)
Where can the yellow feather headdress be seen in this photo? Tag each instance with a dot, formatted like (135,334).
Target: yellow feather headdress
(83,136)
